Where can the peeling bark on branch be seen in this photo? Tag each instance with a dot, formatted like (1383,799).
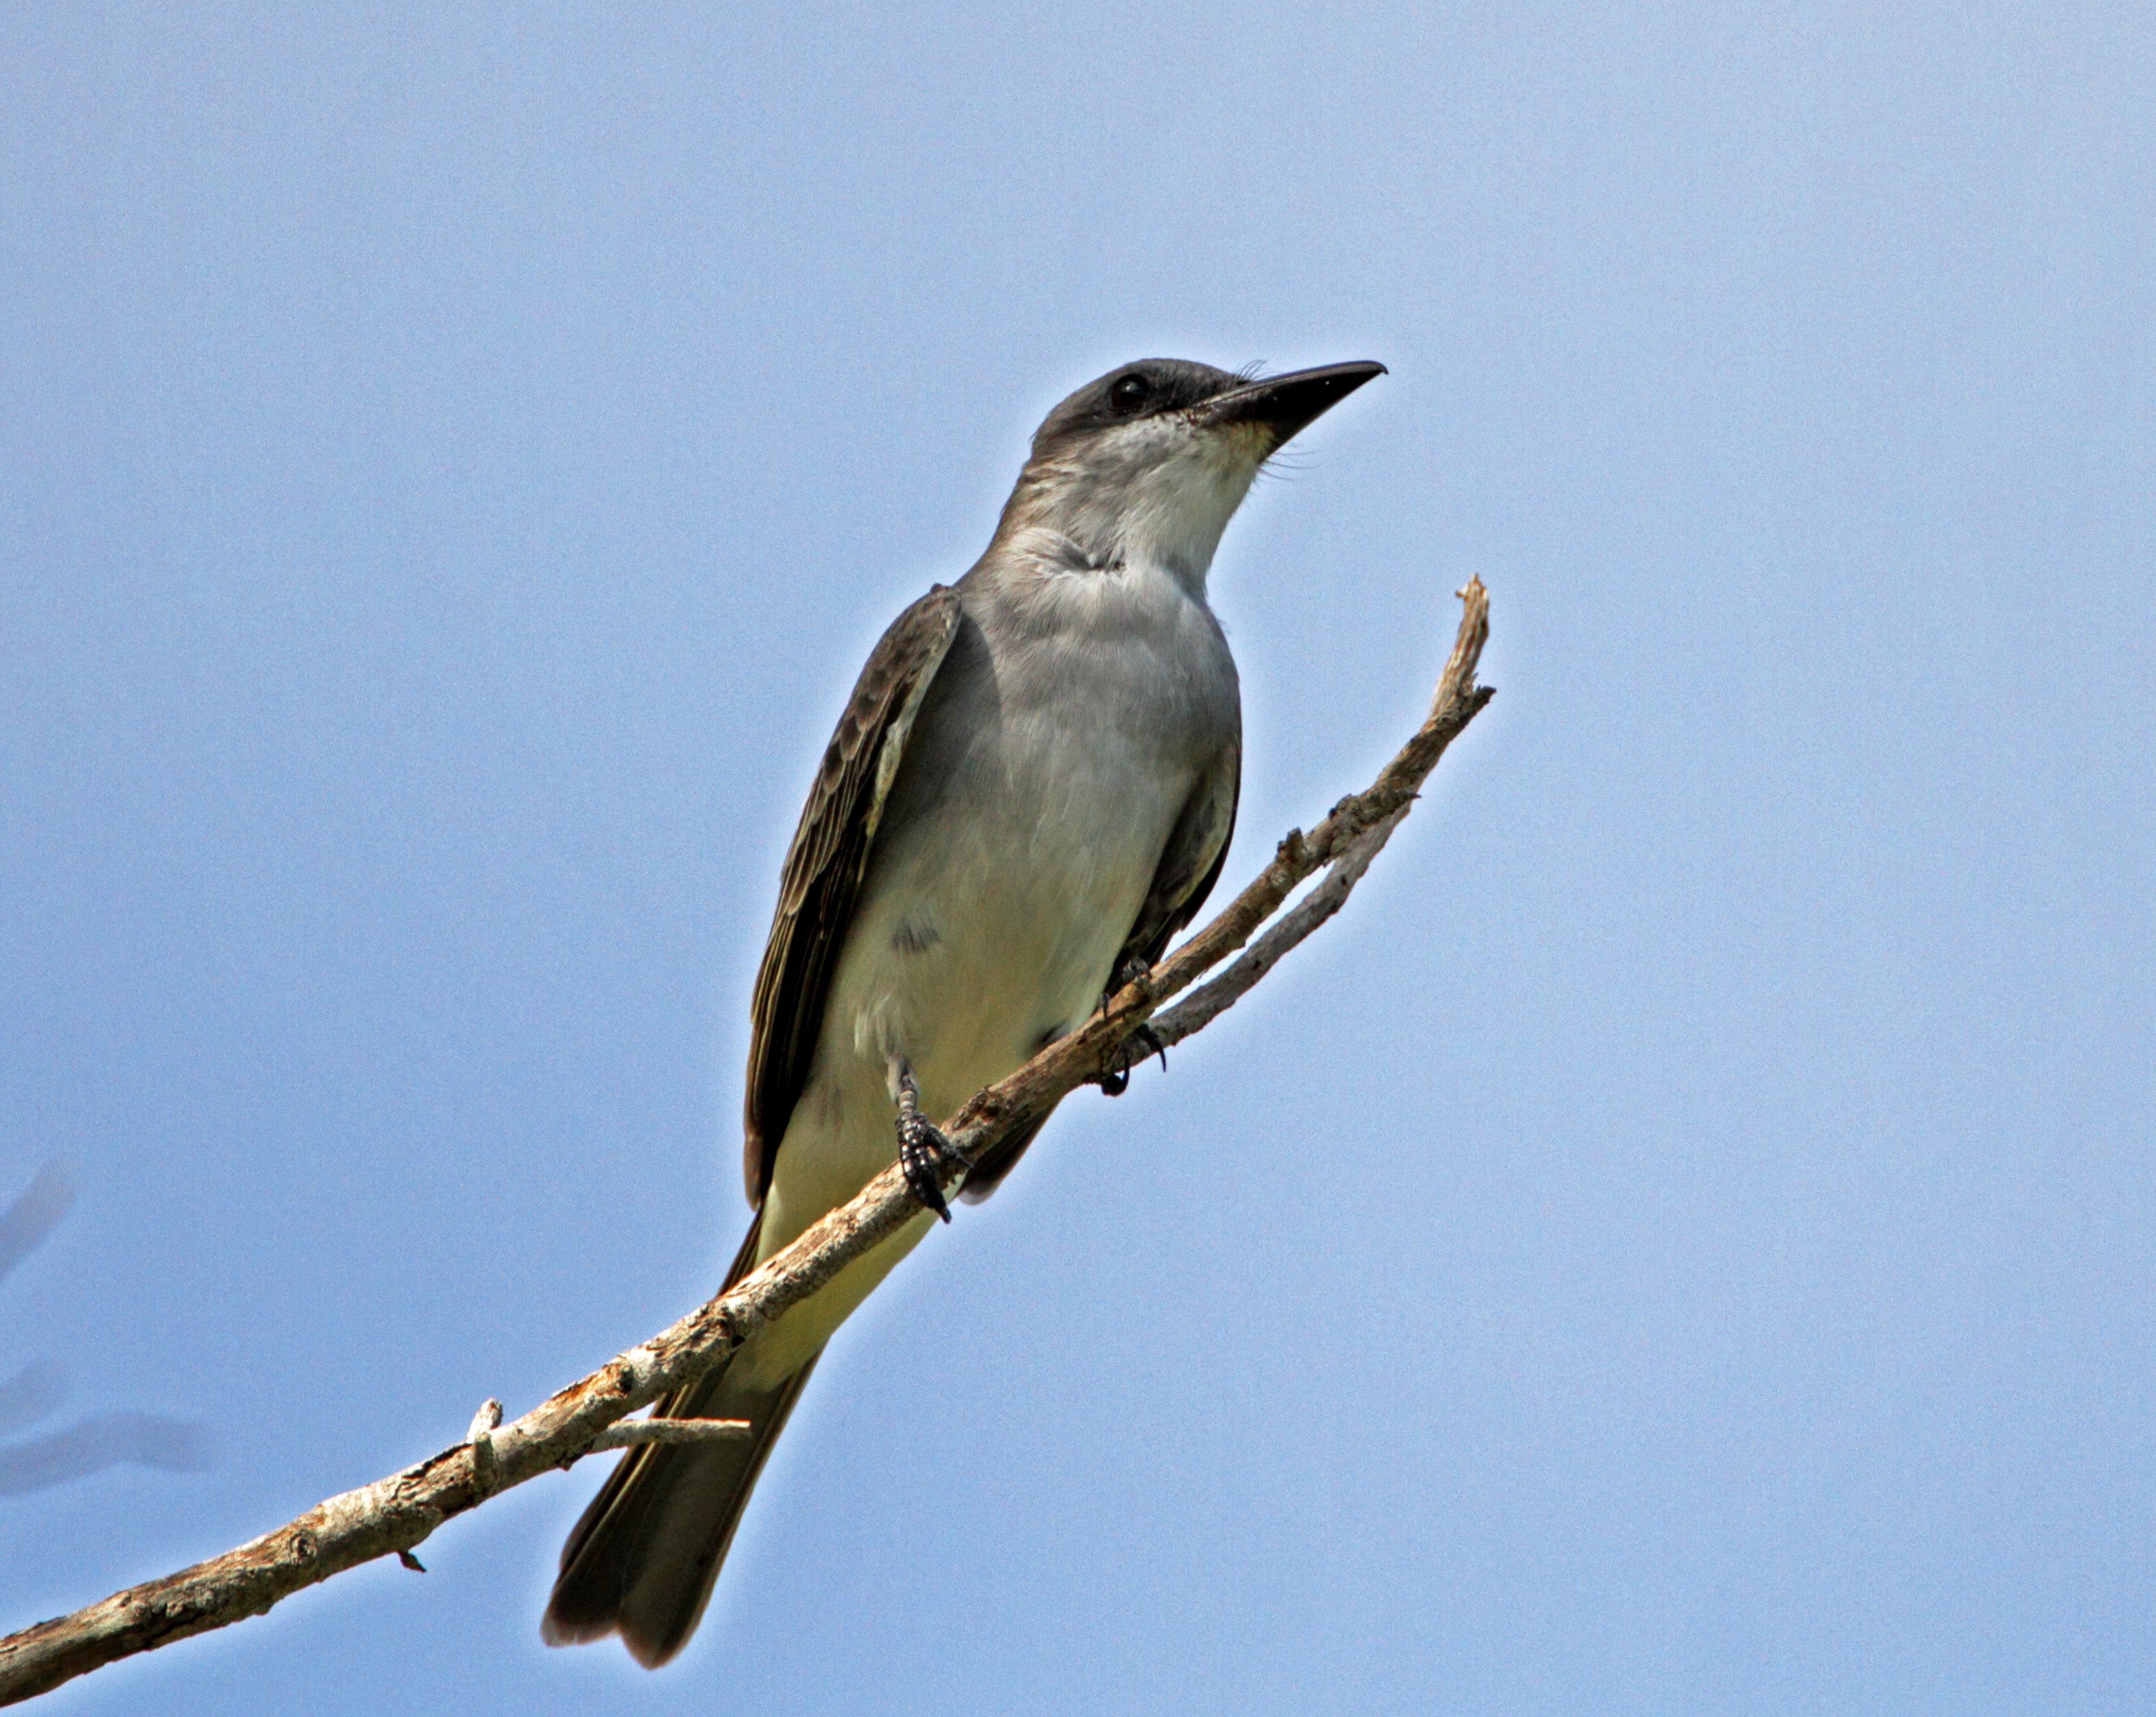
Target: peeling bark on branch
(633,1433)
(393,1515)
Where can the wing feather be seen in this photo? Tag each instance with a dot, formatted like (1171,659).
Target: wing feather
(1191,863)
(821,879)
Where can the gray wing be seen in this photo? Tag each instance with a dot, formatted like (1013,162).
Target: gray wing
(822,877)
(1190,864)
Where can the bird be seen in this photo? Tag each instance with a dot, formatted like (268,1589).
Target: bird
(1031,790)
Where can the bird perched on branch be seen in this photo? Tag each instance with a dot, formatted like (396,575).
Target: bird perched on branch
(1031,790)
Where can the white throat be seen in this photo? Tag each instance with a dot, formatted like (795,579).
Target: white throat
(1156,494)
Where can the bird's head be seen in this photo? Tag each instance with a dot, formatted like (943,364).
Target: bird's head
(1148,463)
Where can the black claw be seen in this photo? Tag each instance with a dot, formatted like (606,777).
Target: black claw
(919,1147)
(1151,1039)
(1114,1078)
(922,1147)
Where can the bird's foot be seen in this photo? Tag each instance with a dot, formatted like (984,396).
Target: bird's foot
(1128,971)
(1115,1077)
(923,1148)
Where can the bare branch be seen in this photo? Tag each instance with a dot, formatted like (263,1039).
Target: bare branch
(1207,1003)
(393,1515)
(629,1433)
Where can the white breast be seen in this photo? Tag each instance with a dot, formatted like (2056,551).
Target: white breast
(990,922)
(1040,786)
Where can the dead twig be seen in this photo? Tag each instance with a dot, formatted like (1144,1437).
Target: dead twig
(629,1433)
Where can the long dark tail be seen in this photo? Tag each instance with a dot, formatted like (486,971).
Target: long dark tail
(643,1560)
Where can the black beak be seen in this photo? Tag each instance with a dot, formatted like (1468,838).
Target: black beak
(1286,403)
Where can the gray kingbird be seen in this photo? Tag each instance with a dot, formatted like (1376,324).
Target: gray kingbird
(1032,788)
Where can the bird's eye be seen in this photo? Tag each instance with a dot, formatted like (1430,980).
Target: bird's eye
(1130,393)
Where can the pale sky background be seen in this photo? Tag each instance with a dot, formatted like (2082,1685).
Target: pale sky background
(1682,1242)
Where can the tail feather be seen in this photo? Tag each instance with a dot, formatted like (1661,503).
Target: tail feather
(642,1558)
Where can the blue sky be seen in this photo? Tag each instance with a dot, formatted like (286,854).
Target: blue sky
(1682,1241)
